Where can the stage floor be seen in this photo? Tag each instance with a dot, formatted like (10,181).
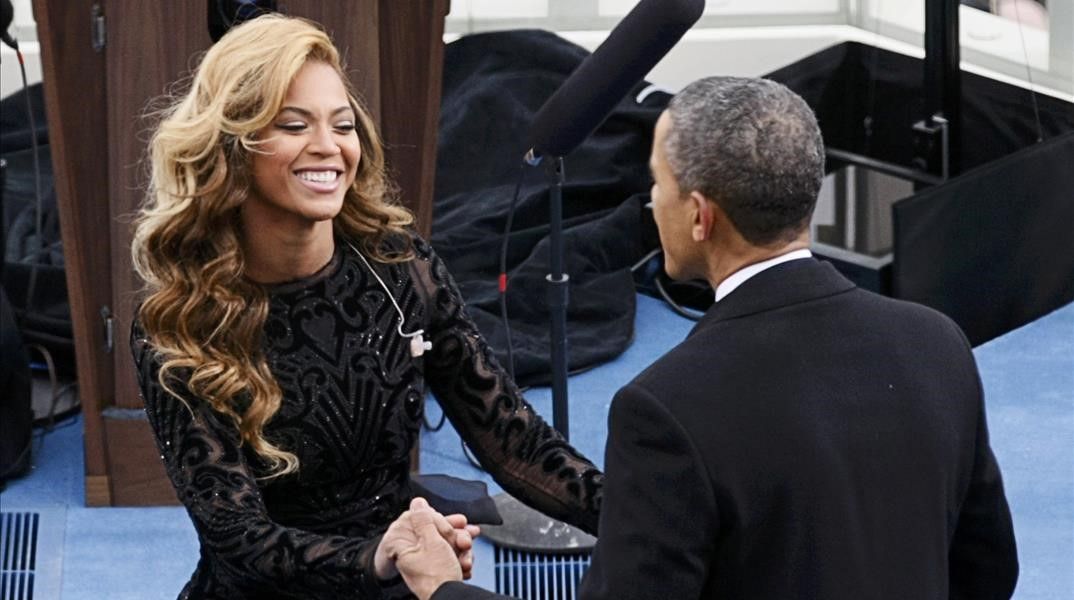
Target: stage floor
(1028,376)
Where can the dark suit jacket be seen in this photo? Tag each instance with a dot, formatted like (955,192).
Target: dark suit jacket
(807,440)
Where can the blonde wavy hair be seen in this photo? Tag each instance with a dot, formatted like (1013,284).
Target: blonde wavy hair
(199,312)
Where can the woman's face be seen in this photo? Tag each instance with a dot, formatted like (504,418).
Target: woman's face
(309,155)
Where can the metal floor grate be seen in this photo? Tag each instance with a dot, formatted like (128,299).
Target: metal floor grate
(535,576)
(26,572)
(18,555)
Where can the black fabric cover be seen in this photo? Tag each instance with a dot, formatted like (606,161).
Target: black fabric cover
(493,85)
(992,247)
(1004,234)
(868,99)
(16,415)
(15,125)
(33,270)
(450,495)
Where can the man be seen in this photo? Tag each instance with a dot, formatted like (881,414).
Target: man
(808,439)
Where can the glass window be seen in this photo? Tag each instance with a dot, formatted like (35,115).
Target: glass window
(737,7)
(498,9)
(1028,40)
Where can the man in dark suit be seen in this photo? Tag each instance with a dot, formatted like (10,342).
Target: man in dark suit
(808,439)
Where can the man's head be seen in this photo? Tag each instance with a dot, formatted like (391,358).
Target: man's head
(750,146)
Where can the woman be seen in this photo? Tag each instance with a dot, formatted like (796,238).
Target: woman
(290,323)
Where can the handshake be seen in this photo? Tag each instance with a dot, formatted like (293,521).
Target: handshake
(426,549)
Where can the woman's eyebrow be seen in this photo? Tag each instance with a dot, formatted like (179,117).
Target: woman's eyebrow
(306,113)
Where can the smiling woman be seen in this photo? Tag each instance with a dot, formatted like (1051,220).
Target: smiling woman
(305,163)
(279,345)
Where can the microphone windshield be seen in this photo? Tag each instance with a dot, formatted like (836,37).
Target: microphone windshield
(7,14)
(632,49)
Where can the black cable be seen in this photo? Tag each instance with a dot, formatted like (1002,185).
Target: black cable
(53,417)
(30,288)
(675,306)
(658,283)
(438,426)
(645,259)
(870,104)
(503,298)
(503,269)
(503,302)
(66,419)
(56,390)
(37,217)
(1029,73)
(469,456)
(16,463)
(47,423)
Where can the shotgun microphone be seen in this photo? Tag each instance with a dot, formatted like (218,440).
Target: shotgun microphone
(7,14)
(631,50)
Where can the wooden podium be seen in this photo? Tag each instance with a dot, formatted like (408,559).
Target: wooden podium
(103,62)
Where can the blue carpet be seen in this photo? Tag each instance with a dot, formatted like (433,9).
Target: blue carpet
(145,554)
(1028,378)
(657,330)
(56,478)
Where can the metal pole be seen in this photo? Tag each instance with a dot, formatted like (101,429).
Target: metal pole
(938,136)
(882,166)
(557,305)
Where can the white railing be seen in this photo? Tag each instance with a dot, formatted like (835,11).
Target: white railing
(745,37)
(1000,47)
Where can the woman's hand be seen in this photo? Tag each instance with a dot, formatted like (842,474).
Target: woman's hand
(426,548)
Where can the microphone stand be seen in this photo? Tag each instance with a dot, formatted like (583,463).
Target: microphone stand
(525,529)
(557,303)
(592,90)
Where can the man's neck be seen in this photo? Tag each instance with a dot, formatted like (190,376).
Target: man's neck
(727,261)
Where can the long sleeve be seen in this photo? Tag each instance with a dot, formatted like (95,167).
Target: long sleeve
(523,453)
(203,457)
(659,519)
(983,556)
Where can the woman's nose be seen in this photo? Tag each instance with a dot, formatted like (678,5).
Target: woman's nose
(323,142)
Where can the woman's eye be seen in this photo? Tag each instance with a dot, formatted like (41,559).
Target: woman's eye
(292,126)
(345,126)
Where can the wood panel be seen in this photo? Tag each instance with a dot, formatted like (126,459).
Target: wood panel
(75,104)
(411,67)
(138,477)
(98,489)
(96,102)
(354,29)
(150,46)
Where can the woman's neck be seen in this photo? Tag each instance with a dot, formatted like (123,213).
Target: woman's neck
(275,256)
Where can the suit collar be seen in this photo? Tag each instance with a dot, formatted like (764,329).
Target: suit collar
(783,285)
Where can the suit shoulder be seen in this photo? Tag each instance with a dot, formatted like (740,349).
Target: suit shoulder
(672,380)
(897,313)
(672,365)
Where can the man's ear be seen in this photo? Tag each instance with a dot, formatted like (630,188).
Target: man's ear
(704,216)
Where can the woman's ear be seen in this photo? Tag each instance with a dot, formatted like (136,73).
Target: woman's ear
(704,216)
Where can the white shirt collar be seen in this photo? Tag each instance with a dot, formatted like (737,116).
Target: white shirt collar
(740,276)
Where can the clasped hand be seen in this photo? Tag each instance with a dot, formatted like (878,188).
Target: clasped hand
(426,548)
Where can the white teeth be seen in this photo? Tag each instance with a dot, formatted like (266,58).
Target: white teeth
(318,176)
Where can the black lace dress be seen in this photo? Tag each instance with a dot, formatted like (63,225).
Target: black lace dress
(353,400)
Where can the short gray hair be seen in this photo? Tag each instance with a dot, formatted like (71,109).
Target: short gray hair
(752,146)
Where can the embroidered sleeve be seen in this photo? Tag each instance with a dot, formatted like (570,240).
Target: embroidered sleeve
(523,453)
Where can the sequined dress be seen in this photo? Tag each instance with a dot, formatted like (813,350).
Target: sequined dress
(353,401)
